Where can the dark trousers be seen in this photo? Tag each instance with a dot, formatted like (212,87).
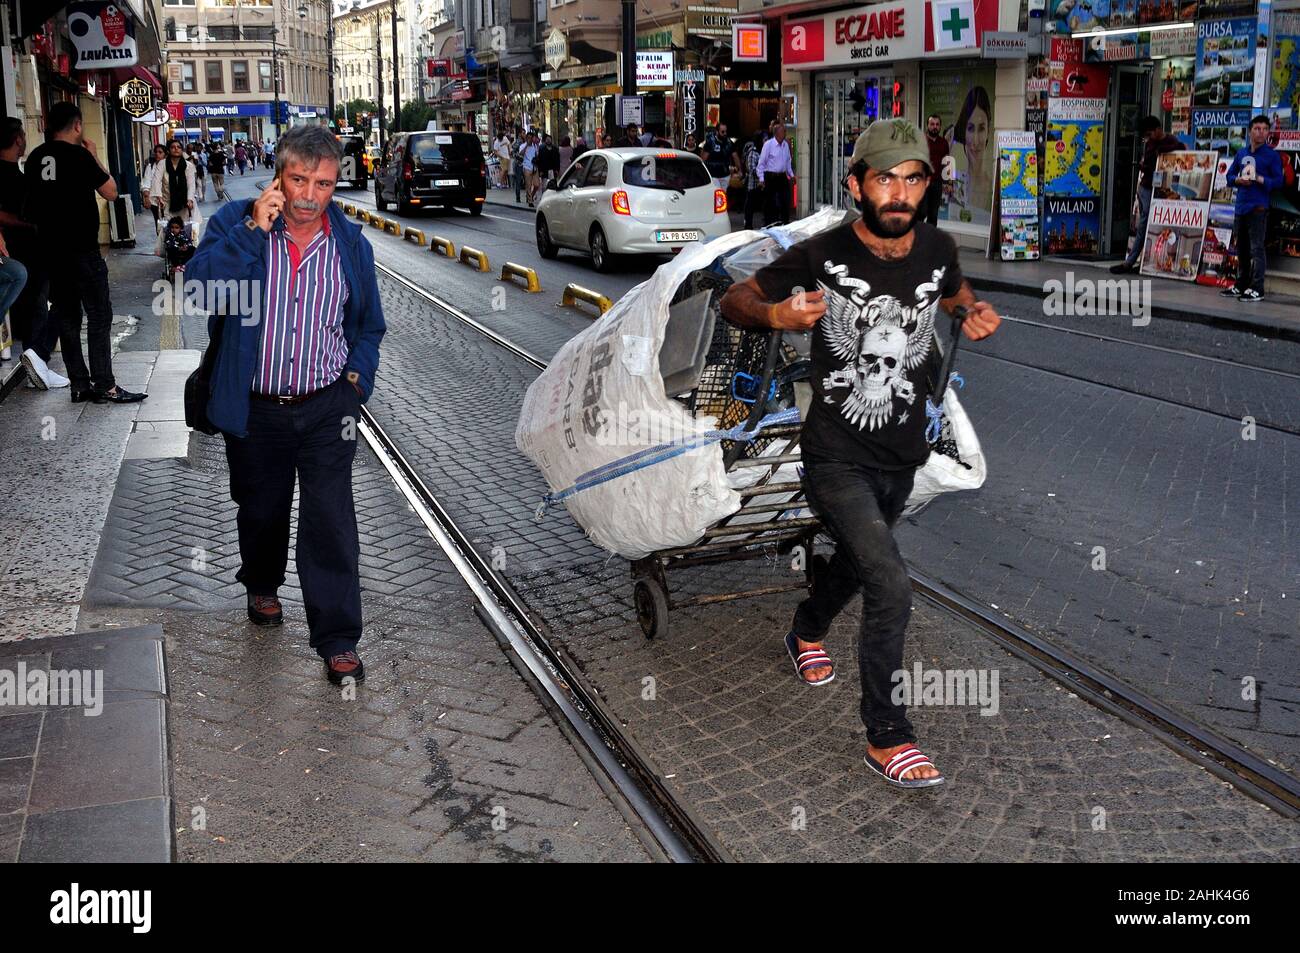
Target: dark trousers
(933,200)
(776,201)
(859,506)
(317,440)
(80,280)
(1250,229)
(753,201)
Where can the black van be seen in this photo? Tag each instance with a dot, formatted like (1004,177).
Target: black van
(353,169)
(420,169)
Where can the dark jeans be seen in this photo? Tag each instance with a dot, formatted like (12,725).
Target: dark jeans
(859,506)
(933,200)
(776,201)
(1250,229)
(30,311)
(318,440)
(1140,236)
(81,280)
(753,201)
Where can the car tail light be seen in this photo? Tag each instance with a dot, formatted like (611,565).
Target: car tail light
(408,170)
(620,204)
(719,201)
(482,169)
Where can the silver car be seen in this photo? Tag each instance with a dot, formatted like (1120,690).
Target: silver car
(629,201)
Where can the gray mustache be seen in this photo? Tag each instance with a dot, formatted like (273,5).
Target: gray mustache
(306,205)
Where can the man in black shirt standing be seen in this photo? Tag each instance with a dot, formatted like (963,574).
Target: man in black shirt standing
(63,176)
(1157,143)
(20,237)
(879,282)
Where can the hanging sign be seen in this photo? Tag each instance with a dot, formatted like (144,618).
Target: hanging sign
(103,35)
(136,96)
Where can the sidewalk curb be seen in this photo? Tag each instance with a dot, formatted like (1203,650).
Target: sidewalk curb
(1223,321)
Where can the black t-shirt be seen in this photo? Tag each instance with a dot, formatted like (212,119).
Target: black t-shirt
(717,155)
(61,183)
(13,194)
(217,162)
(873,351)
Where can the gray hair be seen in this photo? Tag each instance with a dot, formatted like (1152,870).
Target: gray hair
(308,145)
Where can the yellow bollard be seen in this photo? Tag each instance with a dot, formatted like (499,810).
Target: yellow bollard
(416,233)
(480,259)
(442,246)
(511,270)
(379,222)
(393,227)
(349,209)
(575,293)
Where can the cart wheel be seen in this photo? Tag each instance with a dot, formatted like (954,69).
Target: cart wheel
(651,608)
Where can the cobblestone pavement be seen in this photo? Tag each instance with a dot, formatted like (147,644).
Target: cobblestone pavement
(445,753)
(729,728)
(1199,586)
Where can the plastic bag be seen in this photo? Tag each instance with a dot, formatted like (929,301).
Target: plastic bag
(956,461)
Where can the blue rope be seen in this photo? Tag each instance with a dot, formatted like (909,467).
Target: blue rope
(658,454)
(935,414)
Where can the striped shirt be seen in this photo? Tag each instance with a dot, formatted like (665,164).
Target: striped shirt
(303,348)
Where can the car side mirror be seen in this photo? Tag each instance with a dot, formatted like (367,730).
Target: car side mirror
(552,186)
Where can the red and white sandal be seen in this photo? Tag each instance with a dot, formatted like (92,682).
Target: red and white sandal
(807,659)
(904,760)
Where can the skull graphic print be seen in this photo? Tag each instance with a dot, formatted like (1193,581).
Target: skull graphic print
(879,339)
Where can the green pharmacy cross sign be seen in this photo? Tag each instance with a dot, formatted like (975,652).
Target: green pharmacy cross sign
(955,24)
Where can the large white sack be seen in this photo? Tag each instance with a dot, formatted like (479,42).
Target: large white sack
(575,416)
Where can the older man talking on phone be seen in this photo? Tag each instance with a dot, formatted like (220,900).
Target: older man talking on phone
(298,350)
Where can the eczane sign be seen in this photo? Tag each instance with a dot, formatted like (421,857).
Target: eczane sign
(876,33)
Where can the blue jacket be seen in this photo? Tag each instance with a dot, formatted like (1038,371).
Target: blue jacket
(230,251)
(1268,176)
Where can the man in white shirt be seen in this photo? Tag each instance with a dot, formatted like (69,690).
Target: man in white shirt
(775,176)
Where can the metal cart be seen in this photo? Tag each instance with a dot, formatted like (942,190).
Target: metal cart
(747,375)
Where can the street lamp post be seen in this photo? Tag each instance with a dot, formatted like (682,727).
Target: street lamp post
(275,78)
(379,63)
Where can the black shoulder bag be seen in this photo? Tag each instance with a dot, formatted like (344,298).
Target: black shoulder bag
(198,386)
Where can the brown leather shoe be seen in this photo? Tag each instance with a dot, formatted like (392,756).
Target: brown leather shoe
(345,665)
(264,610)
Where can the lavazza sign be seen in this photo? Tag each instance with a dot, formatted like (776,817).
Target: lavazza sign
(877,33)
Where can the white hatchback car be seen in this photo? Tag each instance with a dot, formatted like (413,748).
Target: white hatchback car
(631,201)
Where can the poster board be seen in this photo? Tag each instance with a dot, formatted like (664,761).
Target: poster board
(1180,212)
(1225,64)
(1016,228)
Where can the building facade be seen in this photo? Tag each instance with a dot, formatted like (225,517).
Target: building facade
(230,61)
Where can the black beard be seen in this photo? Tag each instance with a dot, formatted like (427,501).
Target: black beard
(871,219)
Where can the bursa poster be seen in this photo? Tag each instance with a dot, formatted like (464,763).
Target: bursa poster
(1225,63)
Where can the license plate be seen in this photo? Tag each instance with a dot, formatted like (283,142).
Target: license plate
(447,182)
(691,236)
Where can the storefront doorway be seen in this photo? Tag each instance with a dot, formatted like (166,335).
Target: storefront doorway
(846,103)
(1130,100)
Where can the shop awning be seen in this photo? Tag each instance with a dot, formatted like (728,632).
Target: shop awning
(581,88)
(137,72)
